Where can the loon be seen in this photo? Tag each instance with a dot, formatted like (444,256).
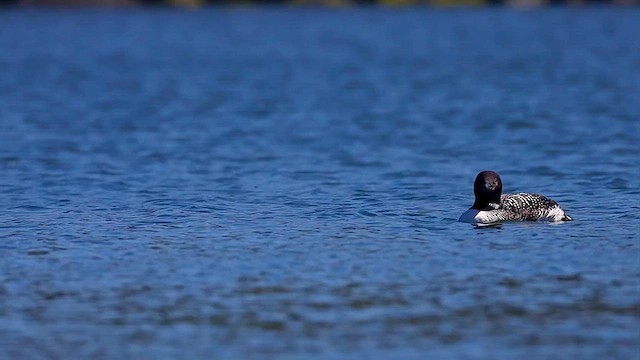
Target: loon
(490,206)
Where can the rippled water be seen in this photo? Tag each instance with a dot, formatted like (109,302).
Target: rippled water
(280,183)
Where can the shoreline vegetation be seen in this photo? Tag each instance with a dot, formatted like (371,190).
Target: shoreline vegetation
(323,3)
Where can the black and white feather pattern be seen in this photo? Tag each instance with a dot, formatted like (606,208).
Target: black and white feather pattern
(530,207)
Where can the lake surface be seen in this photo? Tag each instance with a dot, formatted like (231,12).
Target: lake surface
(279,183)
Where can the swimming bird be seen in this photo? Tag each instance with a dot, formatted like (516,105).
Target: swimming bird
(491,206)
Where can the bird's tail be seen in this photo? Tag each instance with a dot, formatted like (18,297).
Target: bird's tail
(567,218)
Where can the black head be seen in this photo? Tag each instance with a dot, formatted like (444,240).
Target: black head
(487,188)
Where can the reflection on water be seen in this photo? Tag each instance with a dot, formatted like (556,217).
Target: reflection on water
(251,184)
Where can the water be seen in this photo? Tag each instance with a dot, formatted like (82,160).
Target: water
(282,183)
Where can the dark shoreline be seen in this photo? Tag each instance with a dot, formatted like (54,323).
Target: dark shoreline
(321,3)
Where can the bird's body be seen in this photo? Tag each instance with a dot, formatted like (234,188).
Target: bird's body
(491,206)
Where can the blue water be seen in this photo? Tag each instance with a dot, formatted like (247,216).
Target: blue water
(282,183)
